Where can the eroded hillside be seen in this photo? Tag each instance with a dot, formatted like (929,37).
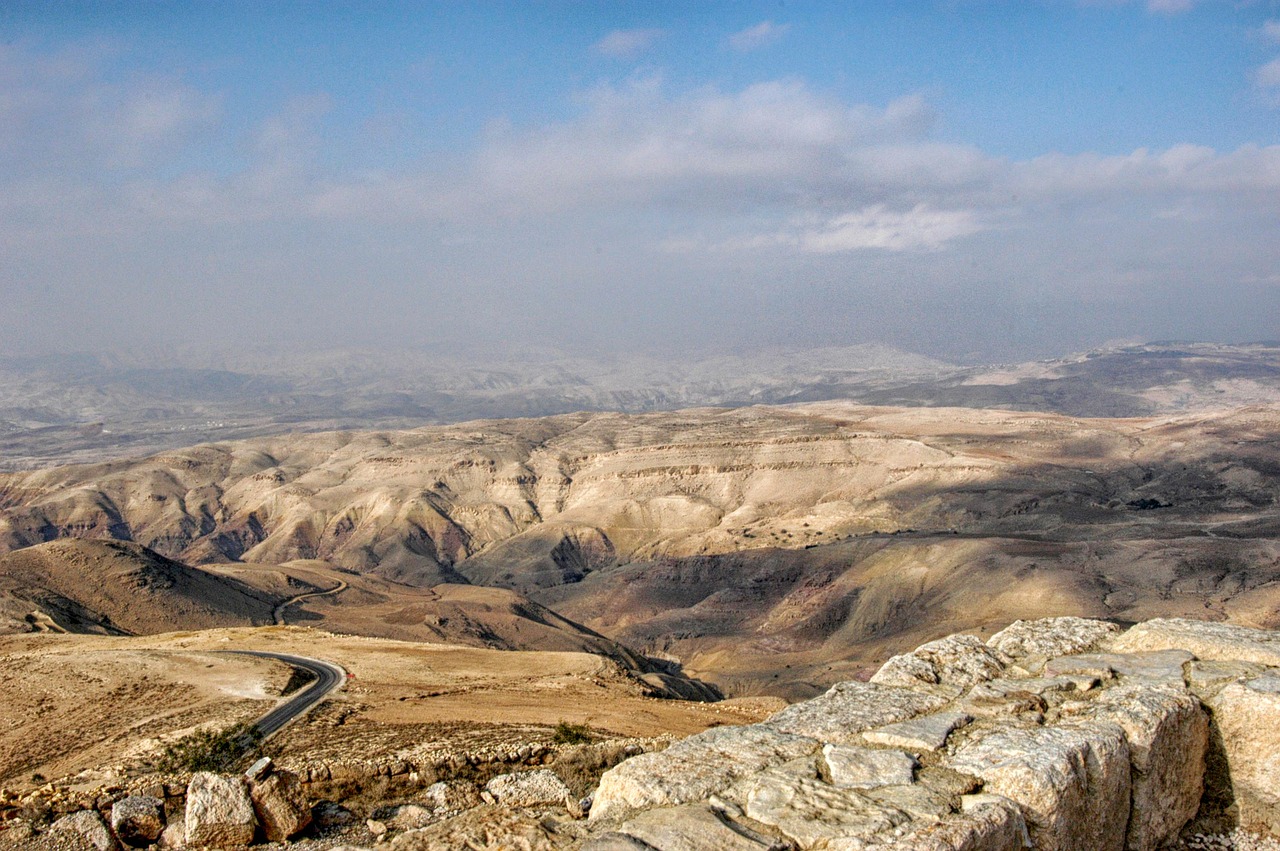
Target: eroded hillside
(738,541)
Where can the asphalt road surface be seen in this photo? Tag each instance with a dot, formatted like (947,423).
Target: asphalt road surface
(328,678)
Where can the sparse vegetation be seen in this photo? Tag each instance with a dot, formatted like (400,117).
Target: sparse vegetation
(572,734)
(206,750)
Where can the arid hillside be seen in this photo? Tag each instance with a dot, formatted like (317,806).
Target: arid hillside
(738,542)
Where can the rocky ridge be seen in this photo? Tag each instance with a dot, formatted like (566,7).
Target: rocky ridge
(1060,733)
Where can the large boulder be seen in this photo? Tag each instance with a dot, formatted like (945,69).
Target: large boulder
(219,811)
(82,830)
(1072,782)
(1205,639)
(281,805)
(138,819)
(693,769)
(1168,735)
(960,661)
(1247,717)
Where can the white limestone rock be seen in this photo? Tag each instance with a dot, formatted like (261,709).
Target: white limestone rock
(1208,677)
(219,812)
(961,661)
(850,708)
(867,768)
(1157,665)
(694,769)
(692,827)
(1072,782)
(809,812)
(447,797)
(986,823)
(528,789)
(1049,637)
(925,733)
(281,805)
(1205,639)
(1168,735)
(83,829)
(1247,716)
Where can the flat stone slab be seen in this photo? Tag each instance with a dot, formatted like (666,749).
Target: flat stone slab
(1207,640)
(1205,677)
(1050,637)
(867,768)
(924,733)
(695,768)
(809,811)
(1161,665)
(986,823)
(850,708)
(693,827)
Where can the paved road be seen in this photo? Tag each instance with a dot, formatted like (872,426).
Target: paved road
(328,678)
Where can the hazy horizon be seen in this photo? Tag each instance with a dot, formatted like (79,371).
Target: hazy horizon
(974,182)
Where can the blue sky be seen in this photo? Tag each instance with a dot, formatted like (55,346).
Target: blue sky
(975,180)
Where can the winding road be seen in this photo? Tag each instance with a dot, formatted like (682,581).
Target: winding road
(329,677)
(278,613)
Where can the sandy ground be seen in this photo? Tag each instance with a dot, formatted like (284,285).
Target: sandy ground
(78,702)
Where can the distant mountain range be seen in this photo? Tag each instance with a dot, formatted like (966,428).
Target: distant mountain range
(74,408)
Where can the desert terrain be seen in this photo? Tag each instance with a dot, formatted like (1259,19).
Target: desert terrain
(763,549)
(638,577)
(102,707)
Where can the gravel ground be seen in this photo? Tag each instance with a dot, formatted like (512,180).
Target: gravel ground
(1237,840)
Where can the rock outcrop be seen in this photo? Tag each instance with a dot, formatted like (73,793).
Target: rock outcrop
(1056,734)
(219,811)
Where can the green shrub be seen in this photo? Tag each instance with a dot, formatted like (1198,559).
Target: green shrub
(572,734)
(205,750)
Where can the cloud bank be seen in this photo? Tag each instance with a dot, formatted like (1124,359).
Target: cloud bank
(651,216)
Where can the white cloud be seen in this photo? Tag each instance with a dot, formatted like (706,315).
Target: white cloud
(760,35)
(921,228)
(627,44)
(1268,76)
(1270,31)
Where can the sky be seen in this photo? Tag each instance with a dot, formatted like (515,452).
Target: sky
(976,180)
